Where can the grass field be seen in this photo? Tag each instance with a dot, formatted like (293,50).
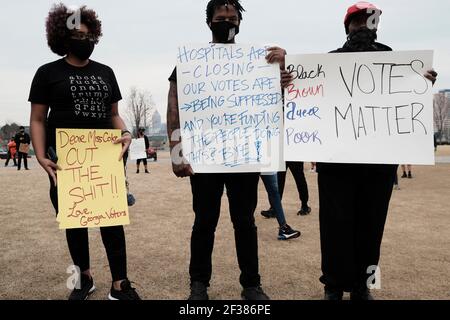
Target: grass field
(415,260)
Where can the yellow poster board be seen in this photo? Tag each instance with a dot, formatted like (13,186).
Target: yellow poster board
(91,182)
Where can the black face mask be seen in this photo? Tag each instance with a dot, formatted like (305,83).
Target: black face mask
(82,49)
(362,39)
(224,31)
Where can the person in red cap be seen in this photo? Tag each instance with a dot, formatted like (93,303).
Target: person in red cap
(354,198)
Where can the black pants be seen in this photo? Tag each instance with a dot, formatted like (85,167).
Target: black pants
(78,241)
(9,157)
(242,192)
(138,162)
(353,210)
(297,171)
(23,156)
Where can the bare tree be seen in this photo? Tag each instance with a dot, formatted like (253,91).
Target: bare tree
(441,108)
(139,108)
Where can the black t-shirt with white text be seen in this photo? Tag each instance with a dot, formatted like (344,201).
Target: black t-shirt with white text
(78,97)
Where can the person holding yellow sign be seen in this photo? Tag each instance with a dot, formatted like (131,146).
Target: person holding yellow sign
(80,94)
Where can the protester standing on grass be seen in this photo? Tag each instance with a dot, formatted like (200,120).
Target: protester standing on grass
(11,152)
(223,18)
(83,94)
(22,140)
(141,135)
(354,198)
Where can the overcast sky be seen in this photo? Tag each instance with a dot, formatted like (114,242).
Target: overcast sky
(141,37)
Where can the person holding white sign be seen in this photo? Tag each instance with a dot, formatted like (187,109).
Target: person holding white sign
(223,18)
(141,135)
(354,198)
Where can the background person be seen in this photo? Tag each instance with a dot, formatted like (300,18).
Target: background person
(23,140)
(141,134)
(11,152)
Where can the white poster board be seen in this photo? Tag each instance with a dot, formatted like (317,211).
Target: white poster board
(137,149)
(360,108)
(231,109)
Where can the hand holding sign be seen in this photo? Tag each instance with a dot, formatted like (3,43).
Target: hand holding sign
(51,168)
(126,142)
(431,75)
(276,55)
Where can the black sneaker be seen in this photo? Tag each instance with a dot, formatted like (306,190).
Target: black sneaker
(126,293)
(333,294)
(404,175)
(86,288)
(409,175)
(287,233)
(254,294)
(268,214)
(199,292)
(137,171)
(304,211)
(361,295)
(146,171)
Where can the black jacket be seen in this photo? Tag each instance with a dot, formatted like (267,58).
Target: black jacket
(22,139)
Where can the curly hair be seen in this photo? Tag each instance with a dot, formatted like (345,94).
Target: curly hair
(213,5)
(58,32)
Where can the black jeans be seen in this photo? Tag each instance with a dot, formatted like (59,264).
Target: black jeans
(242,192)
(297,171)
(353,210)
(24,156)
(138,162)
(78,241)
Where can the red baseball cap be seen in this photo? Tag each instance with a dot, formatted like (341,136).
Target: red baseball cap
(357,8)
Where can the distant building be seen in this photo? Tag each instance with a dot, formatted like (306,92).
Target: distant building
(156,123)
(164,128)
(157,132)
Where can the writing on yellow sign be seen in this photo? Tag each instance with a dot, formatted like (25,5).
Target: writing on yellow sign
(91,182)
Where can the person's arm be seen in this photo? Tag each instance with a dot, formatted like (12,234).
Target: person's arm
(38,134)
(147,142)
(16,140)
(431,75)
(179,166)
(118,123)
(276,54)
